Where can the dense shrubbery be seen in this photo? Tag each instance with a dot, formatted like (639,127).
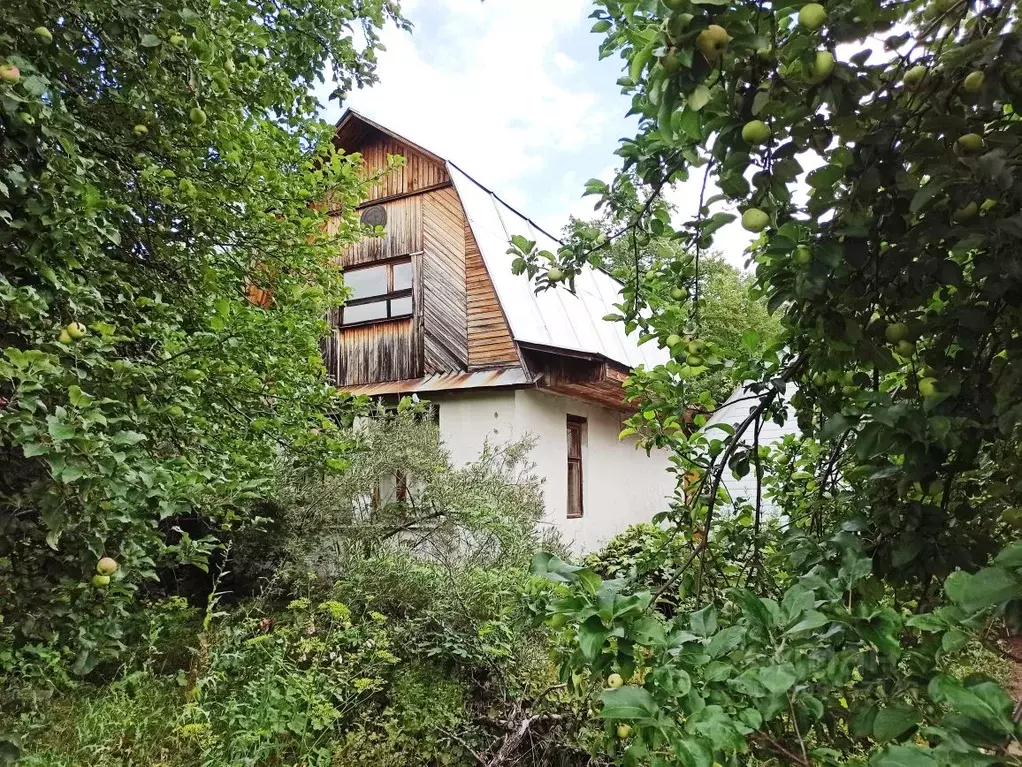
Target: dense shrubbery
(345,644)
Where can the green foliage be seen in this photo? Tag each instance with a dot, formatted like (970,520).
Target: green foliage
(403,640)
(161,162)
(825,670)
(885,204)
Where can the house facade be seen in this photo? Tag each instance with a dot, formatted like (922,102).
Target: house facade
(436,311)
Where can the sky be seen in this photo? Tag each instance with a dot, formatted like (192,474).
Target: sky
(514,93)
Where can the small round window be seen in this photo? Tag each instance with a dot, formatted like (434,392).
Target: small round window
(374,215)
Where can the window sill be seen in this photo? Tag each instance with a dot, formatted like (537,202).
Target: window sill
(366,323)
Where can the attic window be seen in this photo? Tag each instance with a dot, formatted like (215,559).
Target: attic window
(379,292)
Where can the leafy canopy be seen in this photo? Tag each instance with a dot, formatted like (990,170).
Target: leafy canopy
(871,148)
(165,272)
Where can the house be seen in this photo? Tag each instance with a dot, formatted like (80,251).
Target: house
(435,310)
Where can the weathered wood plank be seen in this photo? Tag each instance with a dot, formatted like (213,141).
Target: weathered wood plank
(418,171)
(444,300)
(489,338)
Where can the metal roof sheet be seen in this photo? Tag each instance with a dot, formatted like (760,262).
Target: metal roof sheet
(556,318)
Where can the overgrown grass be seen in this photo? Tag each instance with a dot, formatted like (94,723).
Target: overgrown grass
(130,722)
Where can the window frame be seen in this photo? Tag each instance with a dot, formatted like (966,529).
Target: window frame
(576,425)
(388,298)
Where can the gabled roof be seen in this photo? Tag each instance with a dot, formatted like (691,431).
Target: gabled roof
(554,318)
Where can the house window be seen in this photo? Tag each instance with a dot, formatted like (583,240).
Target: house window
(576,428)
(378,292)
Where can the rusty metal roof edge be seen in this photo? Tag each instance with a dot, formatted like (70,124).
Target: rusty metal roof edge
(436,382)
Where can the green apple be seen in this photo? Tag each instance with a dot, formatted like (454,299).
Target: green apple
(696,346)
(670,62)
(9,73)
(821,68)
(928,387)
(101,581)
(106,566)
(555,274)
(755,220)
(803,255)
(897,332)
(812,16)
(1012,516)
(230,67)
(177,39)
(973,81)
(970,143)
(27,118)
(624,731)
(197,116)
(614,681)
(43,34)
(140,130)
(261,59)
(65,337)
(76,330)
(965,213)
(914,77)
(677,294)
(819,380)
(712,42)
(756,132)
(905,348)
(694,360)
(673,340)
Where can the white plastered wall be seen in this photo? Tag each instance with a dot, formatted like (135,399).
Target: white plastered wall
(621,484)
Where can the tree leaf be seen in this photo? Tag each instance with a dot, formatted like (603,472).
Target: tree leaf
(704,622)
(894,721)
(778,679)
(628,703)
(725,640)
(698,98)
(986,588)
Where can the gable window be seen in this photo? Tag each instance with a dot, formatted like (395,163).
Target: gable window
(576,429)
(378,292)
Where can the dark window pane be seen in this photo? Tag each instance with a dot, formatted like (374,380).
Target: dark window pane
(367,282)
(399,307)
(403,276)
(377,310)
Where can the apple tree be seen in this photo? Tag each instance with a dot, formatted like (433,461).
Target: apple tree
(870,150)
(165,272)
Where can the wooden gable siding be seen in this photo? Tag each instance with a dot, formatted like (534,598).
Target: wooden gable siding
(489,339)
(403,234)
(385,351)
(445,330)
(418,172)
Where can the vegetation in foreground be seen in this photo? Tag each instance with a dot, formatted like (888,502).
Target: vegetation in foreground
(163,411)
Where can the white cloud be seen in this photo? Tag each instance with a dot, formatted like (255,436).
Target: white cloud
(564,62)
(487,87)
